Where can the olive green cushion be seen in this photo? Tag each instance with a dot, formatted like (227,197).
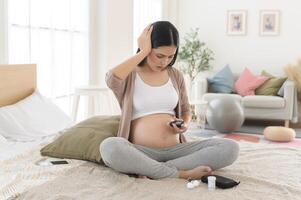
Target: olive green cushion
(82,140)
(271,86)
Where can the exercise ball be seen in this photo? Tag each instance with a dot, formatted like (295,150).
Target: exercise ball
(225,114)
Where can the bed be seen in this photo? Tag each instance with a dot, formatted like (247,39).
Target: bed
(20,167)
(266,171)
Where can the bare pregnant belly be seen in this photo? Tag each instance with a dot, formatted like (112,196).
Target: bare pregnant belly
(153,131)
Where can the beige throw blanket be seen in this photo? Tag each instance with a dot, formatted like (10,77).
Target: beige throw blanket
(22,172)
(266,172)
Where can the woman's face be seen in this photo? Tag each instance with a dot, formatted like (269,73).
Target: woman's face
(160,57)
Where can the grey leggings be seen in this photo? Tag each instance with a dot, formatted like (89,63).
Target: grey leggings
(123,156)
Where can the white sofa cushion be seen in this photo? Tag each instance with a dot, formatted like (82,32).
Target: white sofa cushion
(261,101)
(209,96)
(253,101)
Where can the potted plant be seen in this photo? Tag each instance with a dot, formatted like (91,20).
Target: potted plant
(293,72)
(194,56)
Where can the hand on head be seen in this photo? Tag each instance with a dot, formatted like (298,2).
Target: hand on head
(144,40)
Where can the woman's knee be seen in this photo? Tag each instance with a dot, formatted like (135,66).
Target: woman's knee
(111,149)
(230,149)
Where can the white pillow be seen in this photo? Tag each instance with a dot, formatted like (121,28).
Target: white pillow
(32,118)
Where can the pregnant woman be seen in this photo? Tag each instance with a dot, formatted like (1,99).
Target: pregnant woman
(151,93)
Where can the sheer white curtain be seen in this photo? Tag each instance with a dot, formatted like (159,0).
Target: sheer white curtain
(145,12)
(3,32)
(54,35)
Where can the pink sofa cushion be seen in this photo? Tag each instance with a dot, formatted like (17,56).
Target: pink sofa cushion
(247,83)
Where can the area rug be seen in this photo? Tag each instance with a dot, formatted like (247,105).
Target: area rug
(260,139)
(240,136)
(255,129)
(294,143)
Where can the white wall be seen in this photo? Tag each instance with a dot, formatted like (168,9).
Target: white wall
(252,50)
(113,26)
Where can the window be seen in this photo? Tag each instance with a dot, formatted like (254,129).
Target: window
(145,12)
(54,35)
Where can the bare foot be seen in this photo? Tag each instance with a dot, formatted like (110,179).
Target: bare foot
(196,173)
(141,176)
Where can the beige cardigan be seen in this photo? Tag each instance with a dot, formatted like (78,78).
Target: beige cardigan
(124,90)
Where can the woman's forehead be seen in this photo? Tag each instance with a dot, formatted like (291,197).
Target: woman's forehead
(165,50)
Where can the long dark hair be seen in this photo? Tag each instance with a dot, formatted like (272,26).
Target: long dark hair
(164,33)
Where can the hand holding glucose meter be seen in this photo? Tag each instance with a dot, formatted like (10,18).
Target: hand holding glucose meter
(178,122)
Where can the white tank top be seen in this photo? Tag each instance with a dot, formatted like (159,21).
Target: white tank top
(153,99)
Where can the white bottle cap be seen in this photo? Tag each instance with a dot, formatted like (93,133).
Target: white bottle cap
(190,185)
(211,182)
(195,183)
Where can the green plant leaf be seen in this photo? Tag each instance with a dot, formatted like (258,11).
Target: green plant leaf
(194,55)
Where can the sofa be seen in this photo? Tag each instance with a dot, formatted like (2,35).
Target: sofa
(259,106)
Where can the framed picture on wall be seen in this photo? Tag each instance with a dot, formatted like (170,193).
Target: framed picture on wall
(237,22)
(269,24)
